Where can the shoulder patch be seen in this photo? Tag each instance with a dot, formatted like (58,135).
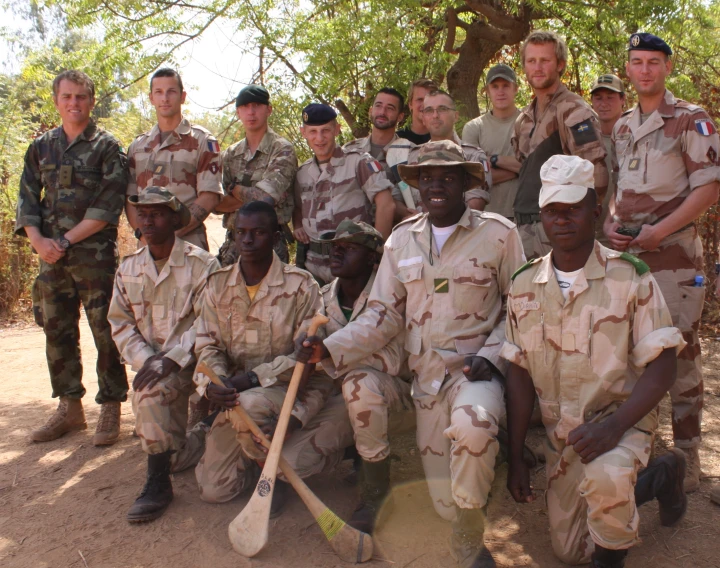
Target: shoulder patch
(640,267)
(201,129)
(496,217)
(221,270)
(524,267)
(292,269)
(584,132)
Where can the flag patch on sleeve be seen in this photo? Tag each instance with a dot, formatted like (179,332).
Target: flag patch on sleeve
(374,166)
(213,146)
(705,126)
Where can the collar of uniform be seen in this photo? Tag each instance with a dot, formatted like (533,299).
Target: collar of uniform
(337,158)
(263,147)
(667,106)
(91,131)
(184,128)
(367,142)
(594,266)
(529,110)
(177,254)
(274,276)
(423,222)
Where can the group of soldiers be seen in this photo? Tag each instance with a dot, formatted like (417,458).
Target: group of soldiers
(468,281)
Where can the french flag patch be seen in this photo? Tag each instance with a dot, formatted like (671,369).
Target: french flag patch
(374,166)
(213,146)
(705,126)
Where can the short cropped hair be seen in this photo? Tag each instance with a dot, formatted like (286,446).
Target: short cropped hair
(394,93)
(542,36)
(438,92)
(423,83)
(167,72)
(77,77)
(261,207)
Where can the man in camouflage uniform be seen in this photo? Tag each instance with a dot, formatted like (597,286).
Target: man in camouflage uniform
(71,195)
(333,185)
(447,295)
(589,333)
(154,305)
(261,167)
(377,391)
(440,118)
(251,314)
(182,157)
(667,152)
(555,122)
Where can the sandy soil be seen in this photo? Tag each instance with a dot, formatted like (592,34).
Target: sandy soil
(63,503)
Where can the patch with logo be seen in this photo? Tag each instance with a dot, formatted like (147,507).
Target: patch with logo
(213,146)
(374,166)
(634,165)
(159,170)
(214,168)
(584,133)
(712,155)
(442,286)
(705,126)
(525,306)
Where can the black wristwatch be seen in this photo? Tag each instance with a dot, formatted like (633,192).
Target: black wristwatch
(254,380)
(493,161)
(63,242)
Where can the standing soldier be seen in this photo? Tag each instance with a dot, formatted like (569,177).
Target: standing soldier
(336,184)
(182,157)
(71,195)
(259,168)
(154,305)
(416,131)
(667,153)
(555,122)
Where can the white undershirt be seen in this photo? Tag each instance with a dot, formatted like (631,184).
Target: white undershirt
(442,234)
(566,279)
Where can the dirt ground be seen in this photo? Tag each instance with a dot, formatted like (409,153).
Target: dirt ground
(63,503)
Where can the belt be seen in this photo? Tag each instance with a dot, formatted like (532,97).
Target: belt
(322,249)
(526,218)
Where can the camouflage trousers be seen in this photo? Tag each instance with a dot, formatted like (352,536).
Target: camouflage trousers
(457,437)
(377,404)
(595,502)
(534,240)
(84,276)
(674,264)
(225,470)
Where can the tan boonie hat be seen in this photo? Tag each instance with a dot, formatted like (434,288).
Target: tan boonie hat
(440,153)
(155,195)
(609,82)
(565,179)
(357,232)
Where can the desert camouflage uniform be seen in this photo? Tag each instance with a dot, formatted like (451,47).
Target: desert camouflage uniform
(611,164)
(85,274)
(150,313)
(585,355)
(377,391)
(450,308)
(472,154)
(236,335)
(270,170)
(660,162)
(344,189)
(187,164)
(567,126)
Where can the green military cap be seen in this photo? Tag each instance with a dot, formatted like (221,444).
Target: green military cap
(155,195)
(253,94)
(358,232)
(440,153)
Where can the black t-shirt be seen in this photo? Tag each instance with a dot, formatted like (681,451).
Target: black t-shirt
(413,137)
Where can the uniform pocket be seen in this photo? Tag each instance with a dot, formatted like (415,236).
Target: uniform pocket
(409,273)
(471,287)
(692,299)
(413,343)
(550,411)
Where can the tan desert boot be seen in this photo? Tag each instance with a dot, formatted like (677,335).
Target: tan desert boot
(108,425)
(692,473)
(69,416)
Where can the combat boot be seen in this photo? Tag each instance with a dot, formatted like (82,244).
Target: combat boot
(466,543)
(279,498)
(157,493)
(374,488)
(605,558)
(663,479)
(198,411)
(107,430)
(69,416)
(692,472)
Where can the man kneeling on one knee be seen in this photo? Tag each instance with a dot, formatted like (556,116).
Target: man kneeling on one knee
(589,332)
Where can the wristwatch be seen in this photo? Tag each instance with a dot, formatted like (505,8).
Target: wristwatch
(63,242)
(254,381)
(493,161)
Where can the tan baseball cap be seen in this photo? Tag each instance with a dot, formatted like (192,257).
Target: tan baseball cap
(440,153)
(609,82)
(565,179)
(155,195)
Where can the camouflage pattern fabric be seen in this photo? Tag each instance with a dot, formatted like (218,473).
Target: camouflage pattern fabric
(96,191)
(534,240)
(187,164)
(611,163)
(357,232)
(345,188)
(270,171)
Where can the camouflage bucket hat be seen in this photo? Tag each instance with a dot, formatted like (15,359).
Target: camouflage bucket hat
(441,153)
(357,232)
(155,195)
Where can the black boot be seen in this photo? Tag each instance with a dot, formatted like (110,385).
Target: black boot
(466,543)
(157,493)
(663,480)
(605,558)
(279,498)
(374,487)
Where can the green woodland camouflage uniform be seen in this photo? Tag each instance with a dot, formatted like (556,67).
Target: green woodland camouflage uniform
(236,335)
(345,188)
(585,355)
(567,126)
(450,305)
(661,161)
(96,190)
(153,312)
(187,164)
(270,171)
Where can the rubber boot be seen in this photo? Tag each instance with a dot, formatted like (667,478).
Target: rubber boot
(157,493)
(279,498)
(466,543)
(107,430)
(374,488)
(692,470)
(663,480)
(69,416)
(605,558)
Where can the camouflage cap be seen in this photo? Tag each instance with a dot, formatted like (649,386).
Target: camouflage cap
(155,195)
(609,82)
(440,153)
(357,232)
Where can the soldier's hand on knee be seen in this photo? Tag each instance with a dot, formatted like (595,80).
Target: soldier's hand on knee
(310,349)
(222,397)
(518,482)
(155,369)
(592,440)
(477,369)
